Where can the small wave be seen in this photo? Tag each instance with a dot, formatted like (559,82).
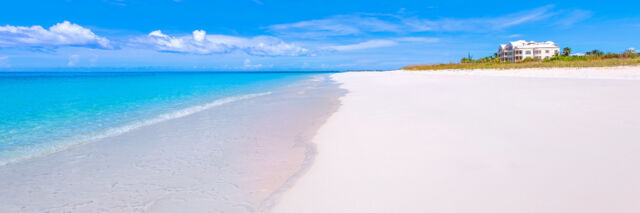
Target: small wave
(90,137)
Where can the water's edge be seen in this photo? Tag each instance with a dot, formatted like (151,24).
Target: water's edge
(310,147)
(238,156)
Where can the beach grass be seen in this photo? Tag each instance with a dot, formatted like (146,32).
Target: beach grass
(611,62)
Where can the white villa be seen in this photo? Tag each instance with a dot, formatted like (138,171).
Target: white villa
(519,50)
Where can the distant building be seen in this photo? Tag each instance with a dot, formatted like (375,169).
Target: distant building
(519,50)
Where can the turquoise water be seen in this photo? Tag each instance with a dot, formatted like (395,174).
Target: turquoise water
(45,112)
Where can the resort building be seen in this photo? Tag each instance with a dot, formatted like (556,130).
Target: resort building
(519,50)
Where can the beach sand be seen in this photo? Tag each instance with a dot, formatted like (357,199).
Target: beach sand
(534,140)
(237,157)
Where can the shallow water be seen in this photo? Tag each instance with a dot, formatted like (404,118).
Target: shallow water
(45,112)
(238,156)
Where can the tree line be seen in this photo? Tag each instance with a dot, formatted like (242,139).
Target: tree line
(565,55)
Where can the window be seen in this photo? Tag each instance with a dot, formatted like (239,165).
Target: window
(546,51)
(528,52)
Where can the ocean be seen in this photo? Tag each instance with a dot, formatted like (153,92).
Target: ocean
(44,112)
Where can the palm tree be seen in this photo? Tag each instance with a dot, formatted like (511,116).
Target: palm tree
(566,51)
(468,59)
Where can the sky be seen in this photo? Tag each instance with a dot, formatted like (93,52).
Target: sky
(278,35)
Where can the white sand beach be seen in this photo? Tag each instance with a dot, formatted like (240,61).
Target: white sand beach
(534,140)
(529,140)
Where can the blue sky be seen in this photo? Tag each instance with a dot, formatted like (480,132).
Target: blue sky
(295,35)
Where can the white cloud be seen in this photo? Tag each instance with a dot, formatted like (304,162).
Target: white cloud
(417,39)
(73,60)
(573,17)
(60,34)
(247,65)
(199,35)
(480,24)
(378,43)
(336,26)
(201,43)
(4,62)
(93,59)
(342,25)
(364,45)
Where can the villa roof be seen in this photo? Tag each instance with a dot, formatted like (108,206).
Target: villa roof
(529,44)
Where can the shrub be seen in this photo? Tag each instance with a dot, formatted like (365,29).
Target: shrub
(595,53)
(526,60)
(568,58)
(611,55)
(630,53)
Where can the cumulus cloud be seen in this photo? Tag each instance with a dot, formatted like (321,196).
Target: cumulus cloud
(201,43)
(60,34)
(199,35)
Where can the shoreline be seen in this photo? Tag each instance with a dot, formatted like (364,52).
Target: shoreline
(346,142)
(266,205)
(232,157)
(553,140)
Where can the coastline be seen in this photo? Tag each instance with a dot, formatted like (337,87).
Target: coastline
(364,142)
(238,157)
(536,140)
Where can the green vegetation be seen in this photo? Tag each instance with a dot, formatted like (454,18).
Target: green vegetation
(566,51)
(595,53)
(594,58)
